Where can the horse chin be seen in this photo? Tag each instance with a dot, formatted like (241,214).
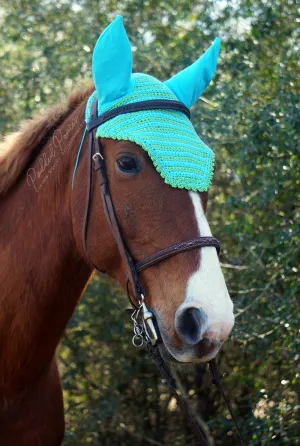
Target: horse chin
(202,352)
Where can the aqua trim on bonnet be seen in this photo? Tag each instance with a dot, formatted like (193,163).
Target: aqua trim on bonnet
(78,156)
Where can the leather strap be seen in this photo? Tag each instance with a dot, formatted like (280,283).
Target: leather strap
(99,165)
(156,357)
(172,250)
(216,381)
(112,219)
(155,104)
(87,205)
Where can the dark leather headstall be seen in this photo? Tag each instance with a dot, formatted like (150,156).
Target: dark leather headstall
(163,104)
(96,153)
(147,330)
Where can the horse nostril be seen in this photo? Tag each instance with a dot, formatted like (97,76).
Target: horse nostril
(191,324)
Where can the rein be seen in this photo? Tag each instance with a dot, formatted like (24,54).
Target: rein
(143,319)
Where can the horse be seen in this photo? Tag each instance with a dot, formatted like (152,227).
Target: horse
(46,263)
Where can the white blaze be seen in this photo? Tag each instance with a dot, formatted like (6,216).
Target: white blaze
(206,288)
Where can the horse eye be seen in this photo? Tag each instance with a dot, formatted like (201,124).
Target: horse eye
(128,164)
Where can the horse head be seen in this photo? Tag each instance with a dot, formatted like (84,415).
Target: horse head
(159,172)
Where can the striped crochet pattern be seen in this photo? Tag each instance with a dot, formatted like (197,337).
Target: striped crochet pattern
(169,138)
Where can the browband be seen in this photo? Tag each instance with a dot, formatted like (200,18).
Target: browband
(155,104)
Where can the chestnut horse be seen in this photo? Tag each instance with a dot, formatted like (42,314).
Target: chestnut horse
(43,271)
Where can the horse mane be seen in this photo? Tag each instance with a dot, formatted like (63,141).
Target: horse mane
(17,148)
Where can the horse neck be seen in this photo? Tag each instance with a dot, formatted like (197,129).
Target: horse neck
(44,273)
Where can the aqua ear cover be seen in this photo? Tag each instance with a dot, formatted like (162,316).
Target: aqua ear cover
(189,84)
(181,158)
(112,63)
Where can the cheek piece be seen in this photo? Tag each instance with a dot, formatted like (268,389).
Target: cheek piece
(96,154)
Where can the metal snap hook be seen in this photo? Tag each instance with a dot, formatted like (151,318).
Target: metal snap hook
(138,330)
(149,328)
(143,327)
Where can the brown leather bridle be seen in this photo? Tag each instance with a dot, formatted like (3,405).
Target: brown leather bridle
(144,325)
(96,153)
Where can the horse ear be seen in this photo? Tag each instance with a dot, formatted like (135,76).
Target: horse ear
(112,63)
(189,84)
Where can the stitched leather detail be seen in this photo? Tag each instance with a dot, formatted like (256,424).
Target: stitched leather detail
(172,250)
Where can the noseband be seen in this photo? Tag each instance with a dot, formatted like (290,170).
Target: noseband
(144,326)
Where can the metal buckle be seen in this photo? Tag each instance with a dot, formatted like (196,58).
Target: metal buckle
(96,155)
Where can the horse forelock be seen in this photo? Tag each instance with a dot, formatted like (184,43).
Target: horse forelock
(17,149)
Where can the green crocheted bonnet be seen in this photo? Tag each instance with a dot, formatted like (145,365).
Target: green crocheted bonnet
(168,136)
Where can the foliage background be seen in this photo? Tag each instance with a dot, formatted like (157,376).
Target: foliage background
(113,395)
